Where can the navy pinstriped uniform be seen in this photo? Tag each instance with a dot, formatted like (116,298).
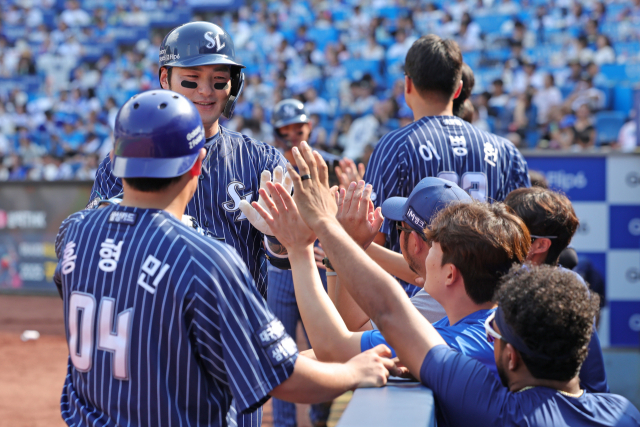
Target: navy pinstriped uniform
(487,166)
(230,172)
(281,299)
(164,326)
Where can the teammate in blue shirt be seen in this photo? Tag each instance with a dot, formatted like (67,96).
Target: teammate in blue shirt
(543,324)
(552,222)
(437,143)
(165,326)
(476,243)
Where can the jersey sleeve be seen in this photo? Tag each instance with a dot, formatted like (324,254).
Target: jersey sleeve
(458,382)
(517,173)
(106,185)
(239,340)
(59,245)
(385,174)
(370,339)
(271,159)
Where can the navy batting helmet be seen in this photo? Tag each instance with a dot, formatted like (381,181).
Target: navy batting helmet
(203,43)
(158,134)
(287,112)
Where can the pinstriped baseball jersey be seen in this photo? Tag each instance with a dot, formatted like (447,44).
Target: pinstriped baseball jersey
(164,326)
(487,166)
(230,172)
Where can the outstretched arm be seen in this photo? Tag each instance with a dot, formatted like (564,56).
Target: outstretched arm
(313,381)
(329,336)
(406,330)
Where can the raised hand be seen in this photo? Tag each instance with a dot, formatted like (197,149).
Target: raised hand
(372,367)
(281,215)
(314,198)
(347,172)
(357,215)
(279,177)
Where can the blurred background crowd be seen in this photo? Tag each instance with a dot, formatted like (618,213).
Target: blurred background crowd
(549,75)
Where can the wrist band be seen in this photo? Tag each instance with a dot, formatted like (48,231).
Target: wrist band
(331,273)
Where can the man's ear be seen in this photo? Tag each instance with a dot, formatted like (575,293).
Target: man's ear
(164,75)
(513,357)
(457,93)
(540,246)
(408,85)
(453,274)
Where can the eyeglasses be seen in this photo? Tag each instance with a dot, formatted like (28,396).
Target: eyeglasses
(491,333)
(534,237)
(399,227)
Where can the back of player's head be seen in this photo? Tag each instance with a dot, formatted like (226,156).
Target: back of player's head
(483,241)
(434,65)
(158,136)
(468,82)
(547,315)
(546,213)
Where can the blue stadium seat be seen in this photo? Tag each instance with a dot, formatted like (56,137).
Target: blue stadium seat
(129,35)
(323,36)
(93,52)
(623,98)
(168,18)
(608,124)
(490,24)
(392,12)
(356,68)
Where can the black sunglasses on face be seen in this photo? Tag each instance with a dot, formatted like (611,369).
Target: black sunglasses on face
(401,228)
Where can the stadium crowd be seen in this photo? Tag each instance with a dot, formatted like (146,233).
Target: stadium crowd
(542,71)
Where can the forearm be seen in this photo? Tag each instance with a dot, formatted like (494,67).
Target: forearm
(328,334)
(315,382)
(379,295)
(393,263)
(352,314)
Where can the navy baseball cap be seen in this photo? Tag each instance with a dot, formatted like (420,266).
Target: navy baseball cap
(427,198)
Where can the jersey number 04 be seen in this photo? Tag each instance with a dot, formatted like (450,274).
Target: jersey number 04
(113,337)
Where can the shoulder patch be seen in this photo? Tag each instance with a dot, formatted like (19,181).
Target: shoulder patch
(120,217)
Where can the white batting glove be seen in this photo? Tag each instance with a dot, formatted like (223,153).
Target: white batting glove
(252,215)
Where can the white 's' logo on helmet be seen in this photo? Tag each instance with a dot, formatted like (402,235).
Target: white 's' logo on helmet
(214,41)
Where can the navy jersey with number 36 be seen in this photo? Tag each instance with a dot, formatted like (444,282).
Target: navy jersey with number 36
(486,166)
(164,326)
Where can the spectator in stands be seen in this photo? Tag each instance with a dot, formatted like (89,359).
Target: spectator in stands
(628,135)
(584,132)
(599,12)
(582,52)
(367,129)
(525,116)
(401,46)
(586,93)
(136,17)
(315,104)
(546,99)
(605,53)
(372,50)
(498,97)
(26,66)
(527,77)
(74,15)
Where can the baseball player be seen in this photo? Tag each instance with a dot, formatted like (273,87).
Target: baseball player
(198,61)
(437,143)
(166,326)
(291,126)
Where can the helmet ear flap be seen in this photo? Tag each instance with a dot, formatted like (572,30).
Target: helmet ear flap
(237,84)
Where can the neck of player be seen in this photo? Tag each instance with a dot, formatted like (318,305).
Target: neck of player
(522,379)
(430,105)
(212,129)
(173,199)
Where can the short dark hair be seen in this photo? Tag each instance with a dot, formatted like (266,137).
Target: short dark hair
(552,312)
(483,241)
(468,81)
(538,179)
(434,65)
(149,185)
(546,213)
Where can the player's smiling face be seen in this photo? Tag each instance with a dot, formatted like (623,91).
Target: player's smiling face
(198,84)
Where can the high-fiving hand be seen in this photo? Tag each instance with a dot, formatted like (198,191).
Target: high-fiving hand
(279,177)
(357,215)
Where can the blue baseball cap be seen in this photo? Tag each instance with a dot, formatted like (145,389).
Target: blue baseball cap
(427,198)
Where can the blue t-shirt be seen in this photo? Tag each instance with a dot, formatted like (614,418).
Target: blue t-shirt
(467,394)
(593,376)
(467,336)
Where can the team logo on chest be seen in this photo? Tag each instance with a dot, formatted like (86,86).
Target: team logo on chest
(235,190)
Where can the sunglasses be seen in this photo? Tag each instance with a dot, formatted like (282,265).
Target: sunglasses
(534,237)
(399,227)
(492,335)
